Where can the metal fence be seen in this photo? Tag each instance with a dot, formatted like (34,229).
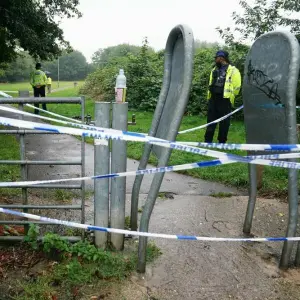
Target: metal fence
(24,163)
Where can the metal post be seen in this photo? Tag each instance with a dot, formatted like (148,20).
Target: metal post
(58,72)
(23,167)
(118,185)
(297,259)
(272,118)
(293,215)
(180,53)
(252,198)
(82,164)
(101,166)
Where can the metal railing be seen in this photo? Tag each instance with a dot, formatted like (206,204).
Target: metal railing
(24,163)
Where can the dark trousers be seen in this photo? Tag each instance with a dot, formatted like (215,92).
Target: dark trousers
(39,92)
(217,108)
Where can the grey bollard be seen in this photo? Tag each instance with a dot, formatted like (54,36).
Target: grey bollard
(101,166)
(252,197)
(118,185)
(179,54)
(269,95)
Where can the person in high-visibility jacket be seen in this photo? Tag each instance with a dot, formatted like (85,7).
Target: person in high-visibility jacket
(38,81)
(49,83)
(224,86)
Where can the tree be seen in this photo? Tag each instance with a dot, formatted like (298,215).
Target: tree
(102,56)
(19,69)
(72,66)
(262,17)
(33,25)
(204,44)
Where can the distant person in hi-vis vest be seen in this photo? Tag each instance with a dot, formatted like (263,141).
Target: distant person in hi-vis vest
(38,81)
(224,86)
(49,83)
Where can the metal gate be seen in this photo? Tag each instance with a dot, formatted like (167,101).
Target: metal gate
(22,101)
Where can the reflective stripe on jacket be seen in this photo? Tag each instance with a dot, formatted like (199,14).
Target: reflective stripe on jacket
(232,83)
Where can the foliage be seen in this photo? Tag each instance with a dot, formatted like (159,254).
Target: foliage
(32,235)
(80,263)
(262,17)
(204,44)
(144,78)
(34,27)
(103,56)
(72,66)
(53,242)
(19,69)
(9,150)
(144,73)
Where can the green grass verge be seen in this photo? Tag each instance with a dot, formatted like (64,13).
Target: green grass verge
(77,265)
(9,150)
(274,180)
(27,87)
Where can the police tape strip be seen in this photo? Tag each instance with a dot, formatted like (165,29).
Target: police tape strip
(54,114)
(213,122)
(180,132)
(146,234)
(2,93)
(201,164)
(130,136)
(245,147)
(77,125)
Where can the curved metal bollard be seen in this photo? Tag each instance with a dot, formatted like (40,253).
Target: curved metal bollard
(179,55)
(269,95)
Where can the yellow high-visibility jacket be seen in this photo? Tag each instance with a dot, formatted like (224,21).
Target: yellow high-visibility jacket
(38,78)
(232,83)
(49,80)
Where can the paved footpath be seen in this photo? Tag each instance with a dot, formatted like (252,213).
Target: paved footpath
(191,269)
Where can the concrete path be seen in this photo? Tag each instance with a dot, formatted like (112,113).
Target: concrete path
(191,269)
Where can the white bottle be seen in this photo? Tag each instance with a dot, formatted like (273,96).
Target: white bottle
(120,89)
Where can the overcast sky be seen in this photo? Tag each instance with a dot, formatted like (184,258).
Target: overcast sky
(111,22)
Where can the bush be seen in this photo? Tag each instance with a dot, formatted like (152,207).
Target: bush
(144,73)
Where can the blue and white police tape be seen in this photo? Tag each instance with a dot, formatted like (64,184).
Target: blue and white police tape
(245,147)
(54,114)
(213,122)
(146,234)
(77,125)
(127,136)
(37,108)
(2,93)
(201,164)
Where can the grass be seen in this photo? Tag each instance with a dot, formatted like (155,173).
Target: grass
(27,87)
(274,180)
(9,149)
(80,268)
